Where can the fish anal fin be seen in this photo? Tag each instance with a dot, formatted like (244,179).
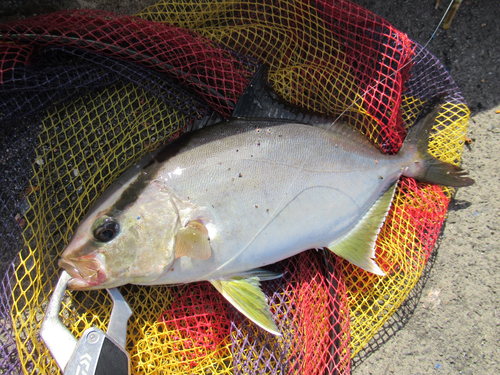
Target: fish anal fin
(358,245)
(193,241)
(244,293)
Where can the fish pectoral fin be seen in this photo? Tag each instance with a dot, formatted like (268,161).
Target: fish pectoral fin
(244,293)
(358,246)
(193,241)
(262,274)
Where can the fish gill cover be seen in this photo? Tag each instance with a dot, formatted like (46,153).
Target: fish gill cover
(84,94)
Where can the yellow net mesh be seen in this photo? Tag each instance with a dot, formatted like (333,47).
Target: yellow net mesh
(84,144)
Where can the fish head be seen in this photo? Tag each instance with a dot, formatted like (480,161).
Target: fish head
(115,247)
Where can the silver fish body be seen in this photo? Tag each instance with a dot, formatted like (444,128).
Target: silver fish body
(225,200)
(268,191)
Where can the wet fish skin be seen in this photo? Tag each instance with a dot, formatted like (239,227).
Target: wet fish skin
(263,191)
(228,199)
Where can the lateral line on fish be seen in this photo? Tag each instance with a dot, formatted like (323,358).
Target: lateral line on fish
(307,169)
(274,214)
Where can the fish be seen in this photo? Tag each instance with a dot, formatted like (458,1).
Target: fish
(221,202)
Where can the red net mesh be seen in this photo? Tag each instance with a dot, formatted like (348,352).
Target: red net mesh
(196,62)
(95,91)
(311,310)
(12,55)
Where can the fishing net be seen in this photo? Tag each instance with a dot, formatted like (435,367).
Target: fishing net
(84,94)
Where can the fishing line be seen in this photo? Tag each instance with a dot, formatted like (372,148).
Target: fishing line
(301,167)
(372,88)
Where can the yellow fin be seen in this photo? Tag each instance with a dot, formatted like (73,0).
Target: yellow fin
(193,241)
(244,293)
(358,246)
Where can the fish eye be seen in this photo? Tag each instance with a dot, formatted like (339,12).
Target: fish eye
(106,230)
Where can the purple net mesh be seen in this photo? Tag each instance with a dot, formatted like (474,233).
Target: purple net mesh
(84,94)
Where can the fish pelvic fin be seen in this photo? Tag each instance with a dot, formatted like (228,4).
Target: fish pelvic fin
(422,165)
(358,245)
(243,292)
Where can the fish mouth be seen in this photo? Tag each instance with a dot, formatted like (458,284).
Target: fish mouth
(86,273)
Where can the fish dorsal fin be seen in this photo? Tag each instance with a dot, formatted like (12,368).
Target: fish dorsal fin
(244,293)
(193,241)
(260,101)
(358,246)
